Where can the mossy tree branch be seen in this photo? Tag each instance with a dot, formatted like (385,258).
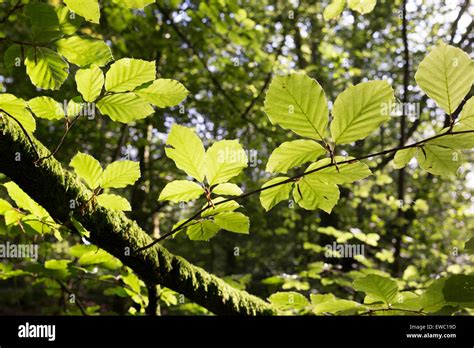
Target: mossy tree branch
(55,188)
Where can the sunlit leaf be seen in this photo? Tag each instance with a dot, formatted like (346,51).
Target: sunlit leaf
(89,9)
(360,109)
(120,174)
(113,202)
(298,103)
(181,191)
(47,108)
(378,288)
(446,75)
(87,168)
(127,74)
(203,230)
(272,196)
(292,154)
(90,82)
(224,160)
(233,221)
(16,107)
(185,148)
(124,107)
(163,93)
(46,68)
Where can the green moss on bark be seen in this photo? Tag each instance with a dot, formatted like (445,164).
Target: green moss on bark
(55,188)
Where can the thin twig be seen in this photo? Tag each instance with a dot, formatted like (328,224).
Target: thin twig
(68,128)
(17,6)
(24,131)
(371,311)
(294,178)
(76,299)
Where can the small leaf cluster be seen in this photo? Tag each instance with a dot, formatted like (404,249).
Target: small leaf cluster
(118,174)
(211,170)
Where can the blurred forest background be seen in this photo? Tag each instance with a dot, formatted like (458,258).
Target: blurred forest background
(226,52)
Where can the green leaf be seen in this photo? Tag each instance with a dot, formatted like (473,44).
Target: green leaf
(84,51)
(12,217)
(344,173)
(163,93)
(181,191)
(288,301)
(89,9)
(23,201)
(46,68)
(432,300)
(359,110)
(41,17)
(203,230)
(127,74)
(224,207)
(328,303)
(79,227)
(468,246)
(466,118)
(464,123)
(272,196)
(233,221)
(224,160)
(91,255)
(185,148)
(17,108)
(408,300)
(334,9)
(135,4)
(438,160)
(74,106)
(68,21)
(314,194)
(446,76)
(292,154)
(47,108)
(88,169)
(298,103)
(57,264)
(113,202)
(402,157)
(464,140)
(120,174)
(90,82)
(362,6)
(124,107)
(378,288)
(13,56)
(4,206)
(459,289)
(227,189)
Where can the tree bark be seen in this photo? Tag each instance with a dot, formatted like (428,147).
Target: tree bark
(55,189)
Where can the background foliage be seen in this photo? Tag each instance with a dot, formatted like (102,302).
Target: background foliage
(225,55)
